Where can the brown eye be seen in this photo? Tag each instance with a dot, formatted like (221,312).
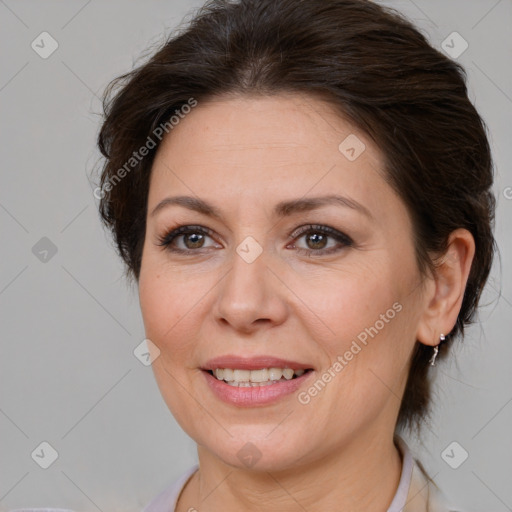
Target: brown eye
(317,238)
(196,240)
(192,238)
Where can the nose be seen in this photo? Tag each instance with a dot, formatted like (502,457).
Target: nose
(251,295)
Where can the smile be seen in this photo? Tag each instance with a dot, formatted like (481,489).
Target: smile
(271,385)
(252,378)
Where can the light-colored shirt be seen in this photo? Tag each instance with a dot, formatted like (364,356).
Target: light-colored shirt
(416,492)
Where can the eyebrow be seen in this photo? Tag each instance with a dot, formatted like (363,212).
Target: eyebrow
(282,209)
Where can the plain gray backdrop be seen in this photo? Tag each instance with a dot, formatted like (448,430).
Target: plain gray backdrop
(69,324)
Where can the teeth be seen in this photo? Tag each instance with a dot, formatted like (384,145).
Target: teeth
(275,373)
(242,375)
(287,373)
(259,375)
(228,374)
(251,378)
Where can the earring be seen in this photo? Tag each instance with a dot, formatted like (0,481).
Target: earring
(436,350)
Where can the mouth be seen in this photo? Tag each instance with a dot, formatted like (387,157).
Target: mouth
(255,381)
(238,377)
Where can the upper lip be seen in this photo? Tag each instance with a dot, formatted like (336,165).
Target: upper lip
(252,363)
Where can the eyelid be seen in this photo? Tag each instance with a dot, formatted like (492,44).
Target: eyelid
(323,228)
(173,233)
(339,236)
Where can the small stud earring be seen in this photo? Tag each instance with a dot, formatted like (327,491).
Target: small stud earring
(436,350)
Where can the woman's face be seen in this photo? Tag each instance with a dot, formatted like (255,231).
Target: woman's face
(342,298)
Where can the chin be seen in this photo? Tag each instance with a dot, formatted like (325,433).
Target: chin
(257,448)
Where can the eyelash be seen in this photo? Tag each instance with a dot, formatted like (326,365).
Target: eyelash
(340,237)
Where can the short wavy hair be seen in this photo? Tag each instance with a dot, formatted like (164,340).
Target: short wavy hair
(375,68)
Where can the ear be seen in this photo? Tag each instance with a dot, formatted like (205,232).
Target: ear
(445,291)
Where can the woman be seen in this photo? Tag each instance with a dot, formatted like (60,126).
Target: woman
(302,192)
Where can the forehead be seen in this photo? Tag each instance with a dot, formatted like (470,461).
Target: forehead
(282,146)
(282,123)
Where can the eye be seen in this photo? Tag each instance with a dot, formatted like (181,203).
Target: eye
(192,237)
(317,238)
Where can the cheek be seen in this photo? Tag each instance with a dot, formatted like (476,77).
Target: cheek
(370,314)
(158,311)
(163,294)
(349,302)
(171,300)
(167,301)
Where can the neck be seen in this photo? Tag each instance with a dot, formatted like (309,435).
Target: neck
(362,476)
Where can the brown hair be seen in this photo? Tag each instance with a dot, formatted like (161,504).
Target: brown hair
(374,67)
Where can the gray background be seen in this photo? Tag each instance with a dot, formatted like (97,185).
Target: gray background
(70,324)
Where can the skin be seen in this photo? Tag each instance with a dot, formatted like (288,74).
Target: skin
(244,155)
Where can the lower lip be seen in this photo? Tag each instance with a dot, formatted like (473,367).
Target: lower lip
(255,395)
